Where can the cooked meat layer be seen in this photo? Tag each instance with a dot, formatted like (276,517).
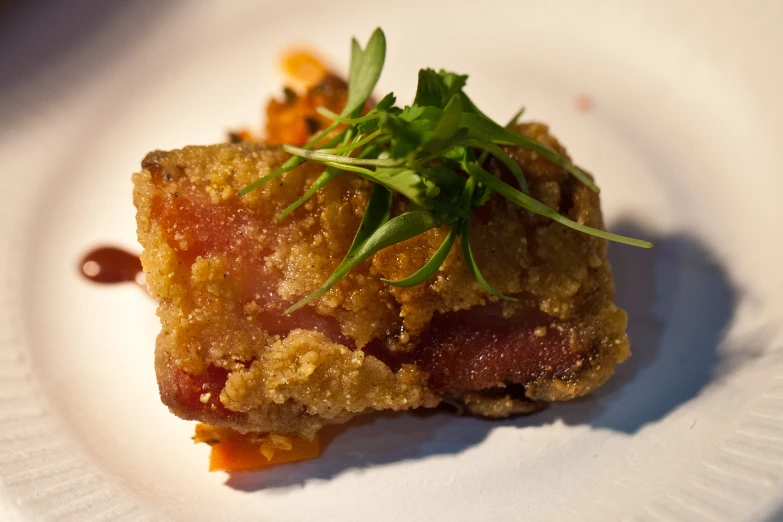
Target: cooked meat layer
(223,269)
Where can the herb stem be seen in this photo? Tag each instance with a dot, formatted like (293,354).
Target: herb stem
(355,145)
(323,111)
(365,173)
(322,157)
(536,206)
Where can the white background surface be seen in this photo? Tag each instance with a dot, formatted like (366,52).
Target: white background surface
(684,138)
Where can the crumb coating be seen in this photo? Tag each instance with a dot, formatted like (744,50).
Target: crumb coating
(223,269)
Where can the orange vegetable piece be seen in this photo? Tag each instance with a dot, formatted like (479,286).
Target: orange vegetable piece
(233,451)
(303,68)
(294,119)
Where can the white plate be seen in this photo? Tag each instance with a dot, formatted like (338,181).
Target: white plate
(685,135)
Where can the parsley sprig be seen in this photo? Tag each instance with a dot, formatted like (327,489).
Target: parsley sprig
(431,152)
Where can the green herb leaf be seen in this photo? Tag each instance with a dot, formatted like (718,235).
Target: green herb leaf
(429,92)
(356,61)
(470,107)
(453,83)
(404,181)
(387,102)
(444,177)
(482,195)
(430,267)
(482,128)
(446,127)
(467,252)
(515,196)
(366,67)
(396,230)
(375,215)
(505,159)
(421,120)
(289,165)
(401,228)
(326,177)
(515,118)
(404,140)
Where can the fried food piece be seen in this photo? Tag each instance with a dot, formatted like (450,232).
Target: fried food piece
(223,269)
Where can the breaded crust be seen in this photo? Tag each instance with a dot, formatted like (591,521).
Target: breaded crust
(223,269)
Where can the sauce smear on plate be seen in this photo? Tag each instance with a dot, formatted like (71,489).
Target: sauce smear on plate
(111,265)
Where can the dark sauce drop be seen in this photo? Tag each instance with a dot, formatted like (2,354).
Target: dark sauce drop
(111,265)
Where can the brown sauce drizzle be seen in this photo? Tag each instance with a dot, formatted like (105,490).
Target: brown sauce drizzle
(110,265)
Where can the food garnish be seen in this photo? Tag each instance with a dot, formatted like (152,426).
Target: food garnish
(432,154)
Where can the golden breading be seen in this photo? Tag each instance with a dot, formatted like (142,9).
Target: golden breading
(223,270)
